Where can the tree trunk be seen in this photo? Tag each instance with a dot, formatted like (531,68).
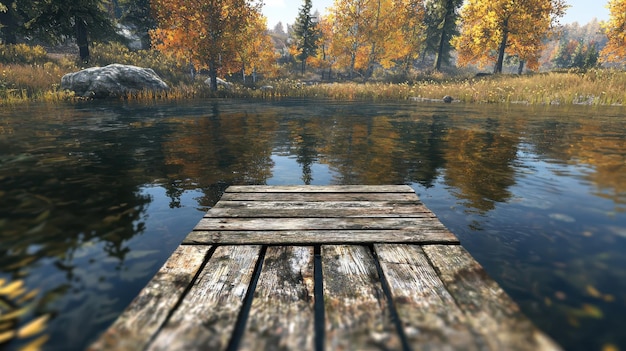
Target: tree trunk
(505,36)
(8,26)
(520,68)
(303,68)
(82,39)
(213,75)
(442,40)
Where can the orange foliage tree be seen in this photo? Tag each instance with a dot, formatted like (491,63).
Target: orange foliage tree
(213,34)
(615,28)
(491,28)
(367,33)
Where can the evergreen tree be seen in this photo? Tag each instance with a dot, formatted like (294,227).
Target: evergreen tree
(12,20)
(137,14)
(82,19)
(441,19)
(306,34)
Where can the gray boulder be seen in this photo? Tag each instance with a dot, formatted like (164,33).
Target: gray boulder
(112,80)
(220,83)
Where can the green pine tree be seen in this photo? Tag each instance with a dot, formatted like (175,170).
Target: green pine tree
(306,33)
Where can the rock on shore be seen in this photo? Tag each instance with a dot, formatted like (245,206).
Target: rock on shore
(112,80)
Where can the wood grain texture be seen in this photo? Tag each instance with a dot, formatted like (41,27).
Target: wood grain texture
(225,224)
(206,317)
(329,209)
(429,314)
(282,313)
(356,310)
(306,237)
(320,188)
(145,315)
(319,197)
(490,311)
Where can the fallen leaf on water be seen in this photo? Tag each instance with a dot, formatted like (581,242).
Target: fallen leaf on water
(34,327)
(592,311)
(6,336)
(609,347)
(36,344)
(593,291)
(9,289)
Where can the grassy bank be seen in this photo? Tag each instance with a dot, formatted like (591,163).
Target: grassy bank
(29,73)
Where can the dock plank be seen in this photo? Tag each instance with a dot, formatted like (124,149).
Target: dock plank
(225,224)
(320,189)
(429,314)
(336,209)
(357,317)
(295,237)
(490,311)
(206,317)
(320,197)
(392,277)
(282,313)
(145,315)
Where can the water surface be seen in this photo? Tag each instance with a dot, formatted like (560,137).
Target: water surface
(95,196)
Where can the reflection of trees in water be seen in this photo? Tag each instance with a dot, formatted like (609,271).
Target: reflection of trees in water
(479,163)
(211,153)
(69,211)
(598,143)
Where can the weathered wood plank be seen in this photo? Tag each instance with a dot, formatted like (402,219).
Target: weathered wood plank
(321,237)
(282,313)
(312,197)
(490,311)
(356,310)
(257,209)
(431,319)
(206,317)
(279,204)
(353,223)
(320,188)
(145,315)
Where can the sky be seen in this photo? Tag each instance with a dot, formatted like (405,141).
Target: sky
(286,11)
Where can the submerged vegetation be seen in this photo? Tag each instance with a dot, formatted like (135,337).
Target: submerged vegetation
(30,73)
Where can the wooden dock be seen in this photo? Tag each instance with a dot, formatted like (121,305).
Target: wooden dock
(322,268)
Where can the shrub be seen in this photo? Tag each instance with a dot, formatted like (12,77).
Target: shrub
(22,54)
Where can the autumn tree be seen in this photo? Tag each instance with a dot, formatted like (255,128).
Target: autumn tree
(492,28)
(350,24)
(615,28)
(326,55)
(206,33)
(257,52)
(367,33)
(306,34)
(411,16)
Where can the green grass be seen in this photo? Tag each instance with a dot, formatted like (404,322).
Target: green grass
(29,73)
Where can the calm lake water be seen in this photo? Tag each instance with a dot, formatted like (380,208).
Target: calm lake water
(95,196)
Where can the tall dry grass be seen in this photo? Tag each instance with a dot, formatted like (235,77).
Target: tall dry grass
(27,73)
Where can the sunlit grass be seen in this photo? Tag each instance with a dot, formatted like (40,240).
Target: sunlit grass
(38,79)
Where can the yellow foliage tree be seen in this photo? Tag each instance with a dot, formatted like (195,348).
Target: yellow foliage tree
(615,28)
(325,57)
(491,28)
(209,33)
(367,33)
